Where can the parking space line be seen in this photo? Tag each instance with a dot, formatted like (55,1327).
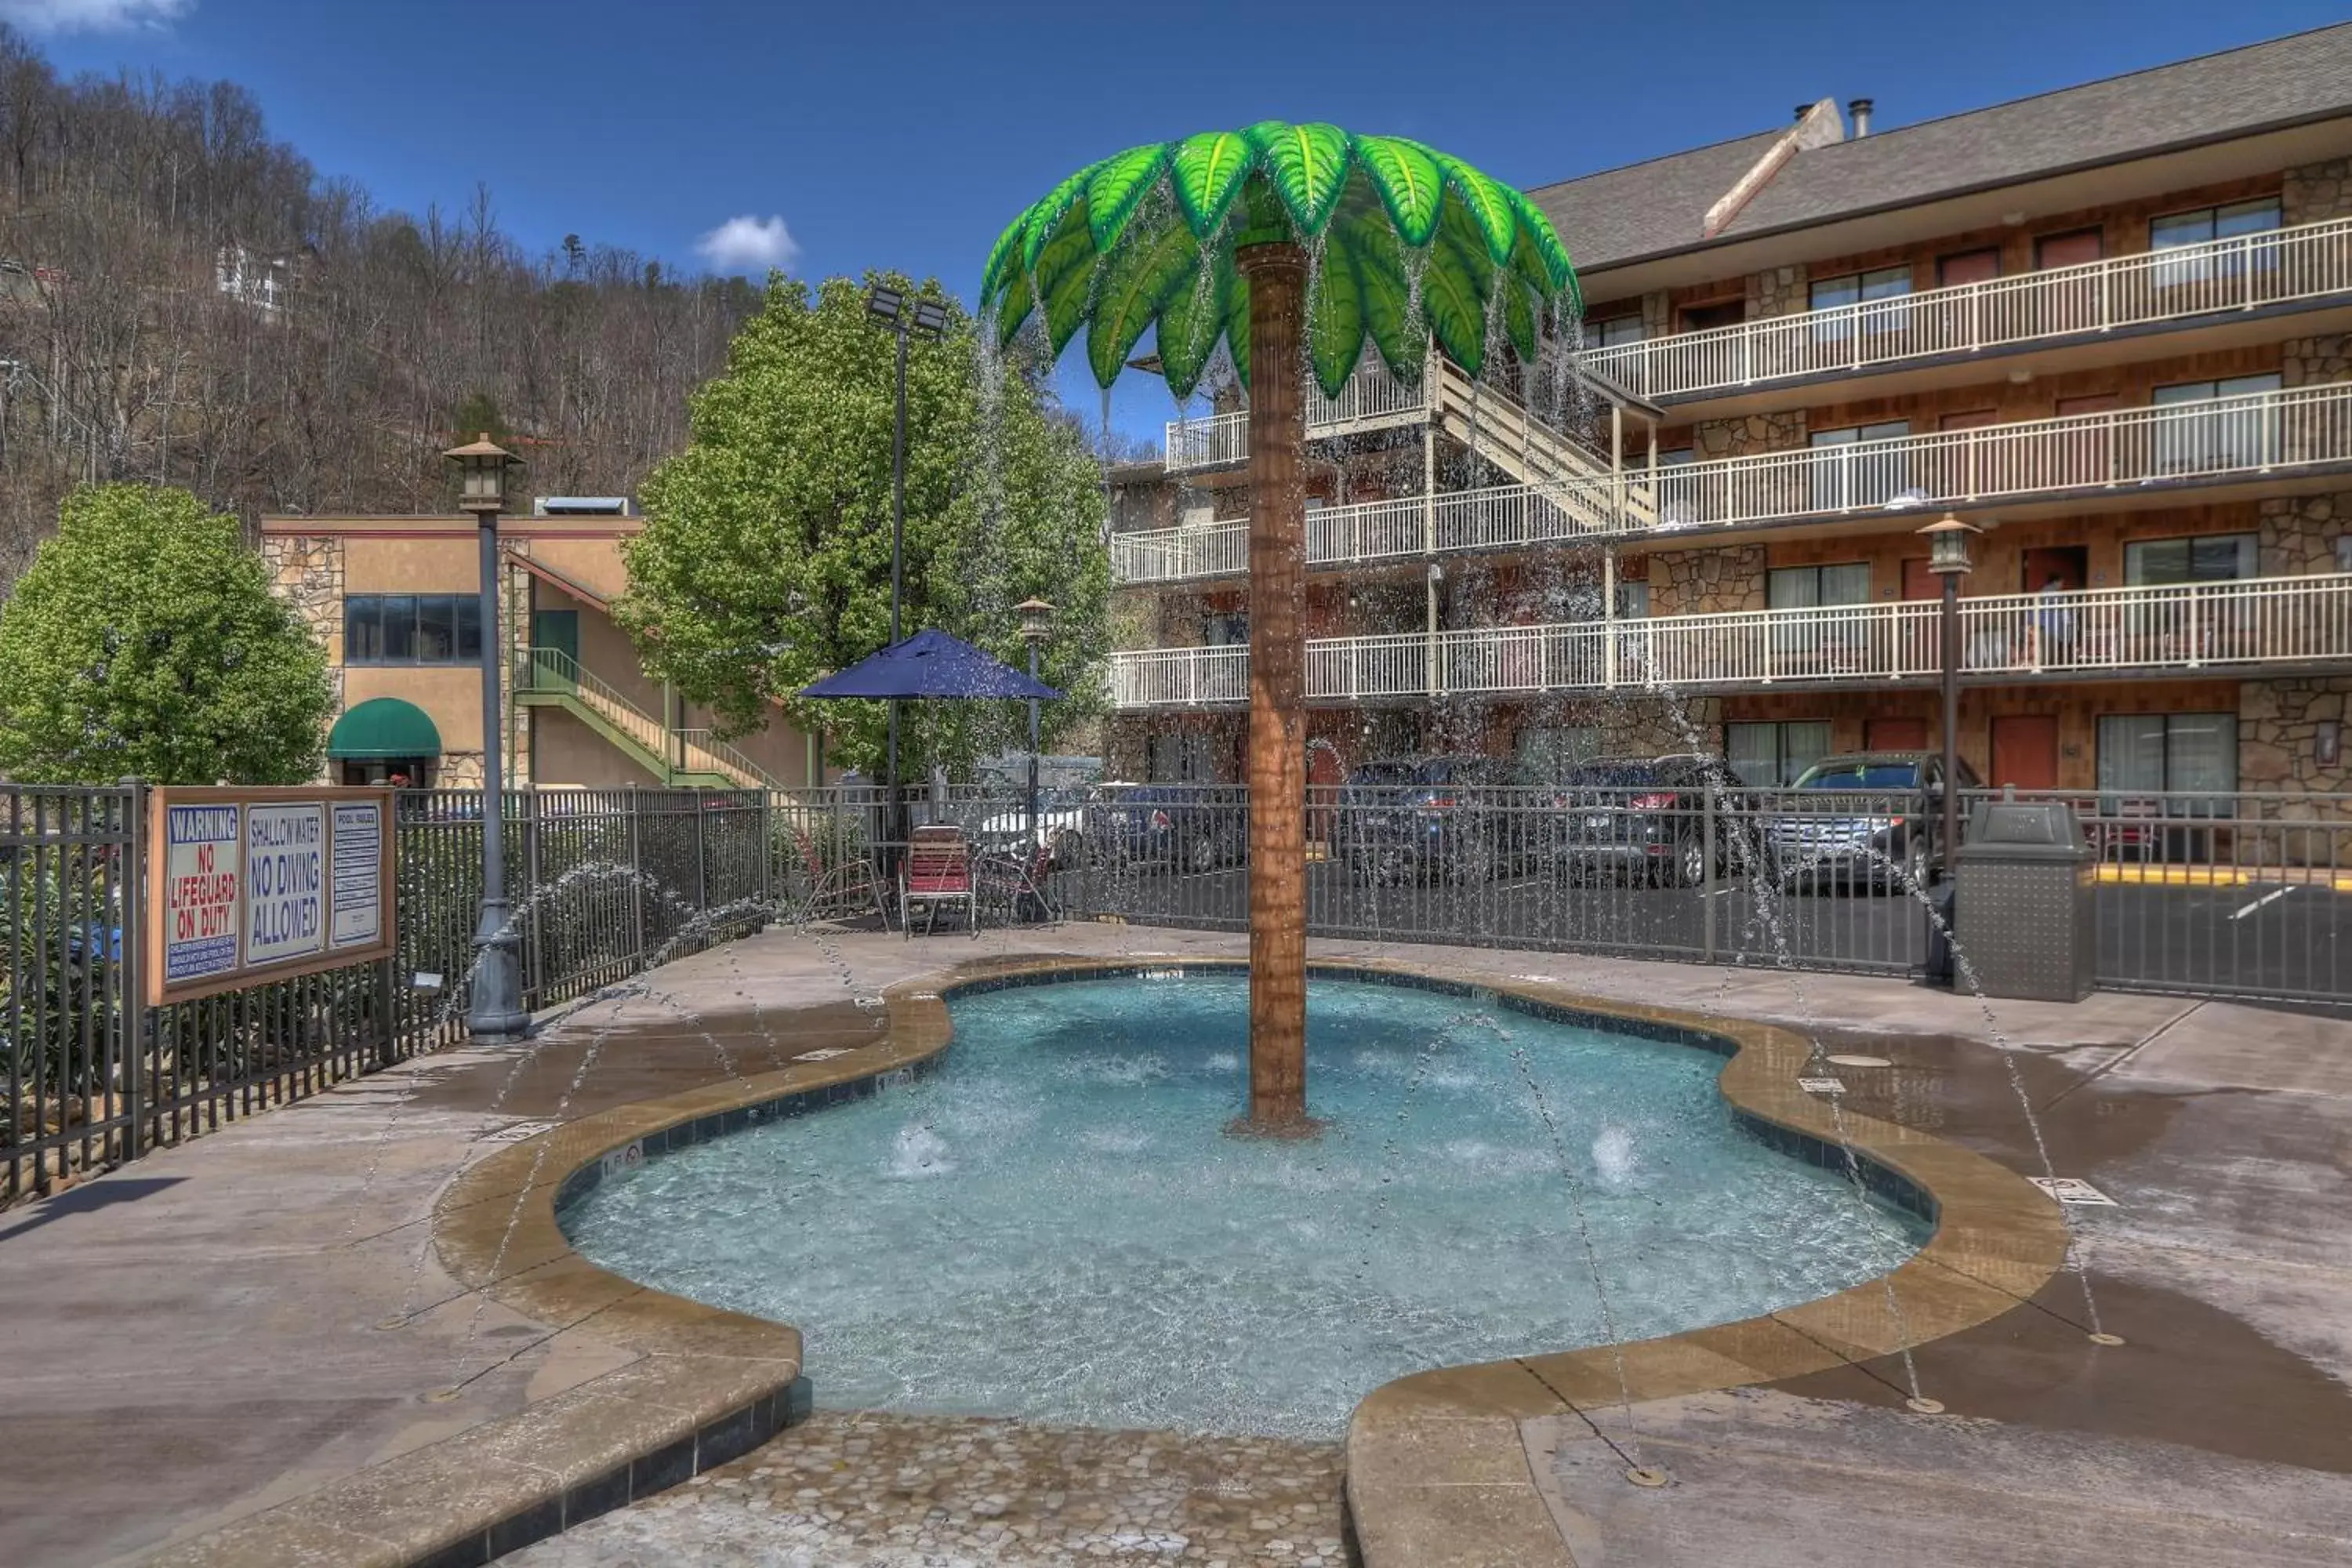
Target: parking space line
(2268,898)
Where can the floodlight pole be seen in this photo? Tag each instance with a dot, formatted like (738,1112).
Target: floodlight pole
(1277,275)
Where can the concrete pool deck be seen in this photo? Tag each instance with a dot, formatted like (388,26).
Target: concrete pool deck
(195,1339)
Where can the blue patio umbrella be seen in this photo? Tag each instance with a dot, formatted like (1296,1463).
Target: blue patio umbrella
(930,664)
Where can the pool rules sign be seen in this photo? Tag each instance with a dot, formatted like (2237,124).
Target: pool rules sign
(248,886)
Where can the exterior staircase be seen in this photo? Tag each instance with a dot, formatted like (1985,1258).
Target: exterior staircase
(1580,483)
(550,678)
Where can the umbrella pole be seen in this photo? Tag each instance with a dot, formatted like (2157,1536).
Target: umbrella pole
(1277,722)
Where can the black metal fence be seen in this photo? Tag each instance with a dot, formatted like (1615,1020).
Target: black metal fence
(2239,895)
(603,884)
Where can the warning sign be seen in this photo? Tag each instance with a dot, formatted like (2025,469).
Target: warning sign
(247,885)
(201,897)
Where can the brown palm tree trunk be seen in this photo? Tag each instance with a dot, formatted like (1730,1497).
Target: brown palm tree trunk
(1277,723)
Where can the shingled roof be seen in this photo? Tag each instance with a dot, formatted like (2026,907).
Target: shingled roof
(1656,208)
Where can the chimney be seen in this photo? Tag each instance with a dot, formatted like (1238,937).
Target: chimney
(1859,109)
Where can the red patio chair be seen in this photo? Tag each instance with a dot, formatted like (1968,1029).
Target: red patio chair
(848,887)
(937,870)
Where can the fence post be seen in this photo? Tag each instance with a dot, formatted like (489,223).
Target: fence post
(130,1007)
(701,860)
(535,937)
(1706,880)
(388,1052)
(636,875)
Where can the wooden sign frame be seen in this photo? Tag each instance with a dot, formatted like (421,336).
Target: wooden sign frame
(242,974)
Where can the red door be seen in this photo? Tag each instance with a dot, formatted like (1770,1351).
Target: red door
(1896,735)
(1968,266)
(1919,583)
(2025,751)
(2066,249)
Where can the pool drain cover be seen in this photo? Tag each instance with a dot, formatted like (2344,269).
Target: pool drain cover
(1822,1085)
(1924,1405)
(1642,1475)
(2072,1190)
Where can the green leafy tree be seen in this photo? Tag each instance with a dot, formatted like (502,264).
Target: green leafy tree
(144,640)
(766,560)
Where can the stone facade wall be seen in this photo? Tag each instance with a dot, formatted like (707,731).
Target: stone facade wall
(2316,190)
(1782,432)
(1698,581)
(2308,362)
(1779,291)
(2302,534)
(2278,734)
(307,571)
(1658,314)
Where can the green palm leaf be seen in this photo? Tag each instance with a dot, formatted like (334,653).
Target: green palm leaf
(1488,202)
(1065,274)
(1537,230)
(1118,185)
(1207,171)
(1309,167)
(1410,183)
(1335,321)
(1519,314)
(1014,309)
(1146,270)
(1384,293)
(1455,304)
(1047,215)
(1000,260)
(1237,332)
(1189,320)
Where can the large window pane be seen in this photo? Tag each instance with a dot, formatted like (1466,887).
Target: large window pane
(399,629)
(2213,558)
(469,628)
(1754,753)
(1802,744)
(2200,752)
(2131,752)
(363,629)
(437,630)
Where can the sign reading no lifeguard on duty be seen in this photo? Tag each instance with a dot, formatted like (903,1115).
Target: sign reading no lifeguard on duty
(253,885)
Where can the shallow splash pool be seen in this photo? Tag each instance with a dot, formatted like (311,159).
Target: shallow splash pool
(1054,1225)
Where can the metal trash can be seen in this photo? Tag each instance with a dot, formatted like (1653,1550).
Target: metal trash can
(2029,931)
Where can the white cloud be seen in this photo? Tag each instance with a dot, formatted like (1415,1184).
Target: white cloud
(93,16)
(748,243)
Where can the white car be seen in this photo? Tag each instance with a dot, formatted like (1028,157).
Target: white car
(1061,825)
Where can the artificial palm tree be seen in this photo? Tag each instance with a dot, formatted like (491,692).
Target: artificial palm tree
(1261,237)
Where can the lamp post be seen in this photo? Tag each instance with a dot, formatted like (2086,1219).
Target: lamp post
(1036,626)
(888,306)
(494,1010)
(1949,557)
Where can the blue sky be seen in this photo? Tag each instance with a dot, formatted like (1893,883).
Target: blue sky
(909,135)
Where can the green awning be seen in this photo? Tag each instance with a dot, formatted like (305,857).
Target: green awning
(384,727)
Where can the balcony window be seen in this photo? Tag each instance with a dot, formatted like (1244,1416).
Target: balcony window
(1817,644)
(1861,289)
(411,628)
(1771,756)
(1849,474)
(1612,331)
(2189,439)
(2161,753)
(1225,630)
(2213,558)
(2206,224)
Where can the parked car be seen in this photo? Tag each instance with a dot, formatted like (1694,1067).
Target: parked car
(1463,817)
(1365,797)
(1877,824)
(1645,817)
(1187,828)
(1061,825)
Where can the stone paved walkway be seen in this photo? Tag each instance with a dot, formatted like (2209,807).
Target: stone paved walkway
(908,1491)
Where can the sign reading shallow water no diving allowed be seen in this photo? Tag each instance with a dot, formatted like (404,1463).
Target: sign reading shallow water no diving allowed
(250,885)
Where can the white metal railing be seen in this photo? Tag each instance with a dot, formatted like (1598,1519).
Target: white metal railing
(1498,517)
(2242,273)
(2179,443)
(2269,620)
(1372,397)
(2214,439)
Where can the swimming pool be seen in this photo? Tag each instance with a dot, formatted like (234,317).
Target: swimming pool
(1052,1224)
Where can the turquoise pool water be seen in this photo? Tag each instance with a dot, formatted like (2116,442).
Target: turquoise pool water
(1054,1225)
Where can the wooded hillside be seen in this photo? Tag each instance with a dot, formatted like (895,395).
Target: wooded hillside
(183,301)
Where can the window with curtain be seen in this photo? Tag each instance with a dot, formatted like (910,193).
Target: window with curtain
(2204,225)
(2155,753)
(2210,558)
(1770,755)
(1860,289)
(1224,630)
(1848,474)
(1611,331)
(2190,439)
